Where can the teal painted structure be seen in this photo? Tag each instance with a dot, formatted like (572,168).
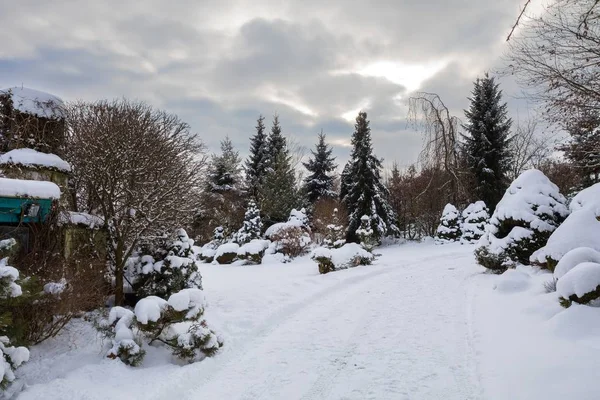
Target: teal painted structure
(15,210)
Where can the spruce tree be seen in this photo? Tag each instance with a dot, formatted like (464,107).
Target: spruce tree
(319,184)
(224,173)
(255,164)
(278,193)
(252,226)
(486,144)
(363,191)
(583,148)
(276,144)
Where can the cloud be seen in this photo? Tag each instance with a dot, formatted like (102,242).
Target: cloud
(219,64)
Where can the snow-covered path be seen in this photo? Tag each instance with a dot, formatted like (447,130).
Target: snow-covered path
(399,331)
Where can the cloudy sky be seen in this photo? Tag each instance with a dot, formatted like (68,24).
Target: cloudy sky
(218,64)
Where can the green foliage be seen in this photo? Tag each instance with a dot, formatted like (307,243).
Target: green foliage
(585,299)
(319,183)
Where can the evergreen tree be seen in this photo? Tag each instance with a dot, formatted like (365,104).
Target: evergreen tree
(486,144)
(276,144)
(583,149)
(278,194)
(252,227)
(449,228)
(319,184)
(363,191)
(255,164)
(224,173)
(345,180)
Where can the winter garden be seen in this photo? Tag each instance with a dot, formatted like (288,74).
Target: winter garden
(134,264)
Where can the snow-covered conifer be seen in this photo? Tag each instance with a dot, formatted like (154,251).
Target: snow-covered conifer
(255,166)
(449,228)
(487,141)
(168,270)
(319,183)
(252,226)
(335,232)
(475,217)
(366,234)
(224,172)
(10,357)
(531,209)
(363,191)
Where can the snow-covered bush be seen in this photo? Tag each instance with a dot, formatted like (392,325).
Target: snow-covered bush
(347,256)
(11,357)
(207,252)
(475,217)
(291,238)
(449,228)
(335,236)
(530,210)
(580,285)
(177,323)
(167,270)
(366,235)
(580,229)
(253,251)
(252,225)
(226,253)
(575,257)
(291,241)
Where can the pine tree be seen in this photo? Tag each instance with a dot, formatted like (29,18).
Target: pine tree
(363,192)
(486,144)
(449,228)
(278,195)
(252,227)
(224,173)
(255,164)
(276,144)
(319,184)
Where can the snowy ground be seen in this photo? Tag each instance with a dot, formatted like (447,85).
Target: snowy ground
(422,323)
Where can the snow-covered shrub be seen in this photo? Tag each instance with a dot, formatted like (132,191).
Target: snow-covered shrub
(8,248)
(291,241)
(177,323)
(252,225)
(475,217)
(366,235)
(226,253)
(253,251)
(335,236)
(449,228)
(580,285)
(530,210)
(11,357)
(575,257)
(207,252)
(125,345)
(167,270)
(580,229)
(348,256)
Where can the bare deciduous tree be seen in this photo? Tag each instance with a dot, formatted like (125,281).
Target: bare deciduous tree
(428,113)
(528,148)
(557,56)
(138,167)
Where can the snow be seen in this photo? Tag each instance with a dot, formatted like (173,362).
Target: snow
(81,218)
(582,279)
(575,257)
(188,299)
(34,158)
(35,102)
(422,322)
(149,309)
(226,249)
(296,219)
(587,198)
(512,281)
(344,256)
(55,288)
(580,229)
(255,246)
(9,275)
(25,188)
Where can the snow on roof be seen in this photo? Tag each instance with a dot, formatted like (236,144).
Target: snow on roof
(34,158)
(33,189)
(34,102)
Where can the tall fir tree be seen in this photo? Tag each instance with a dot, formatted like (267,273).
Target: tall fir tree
(276,144)
(319,183)
(224,174)
(278,194)
(363,191)
(486,144)
(255,165)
